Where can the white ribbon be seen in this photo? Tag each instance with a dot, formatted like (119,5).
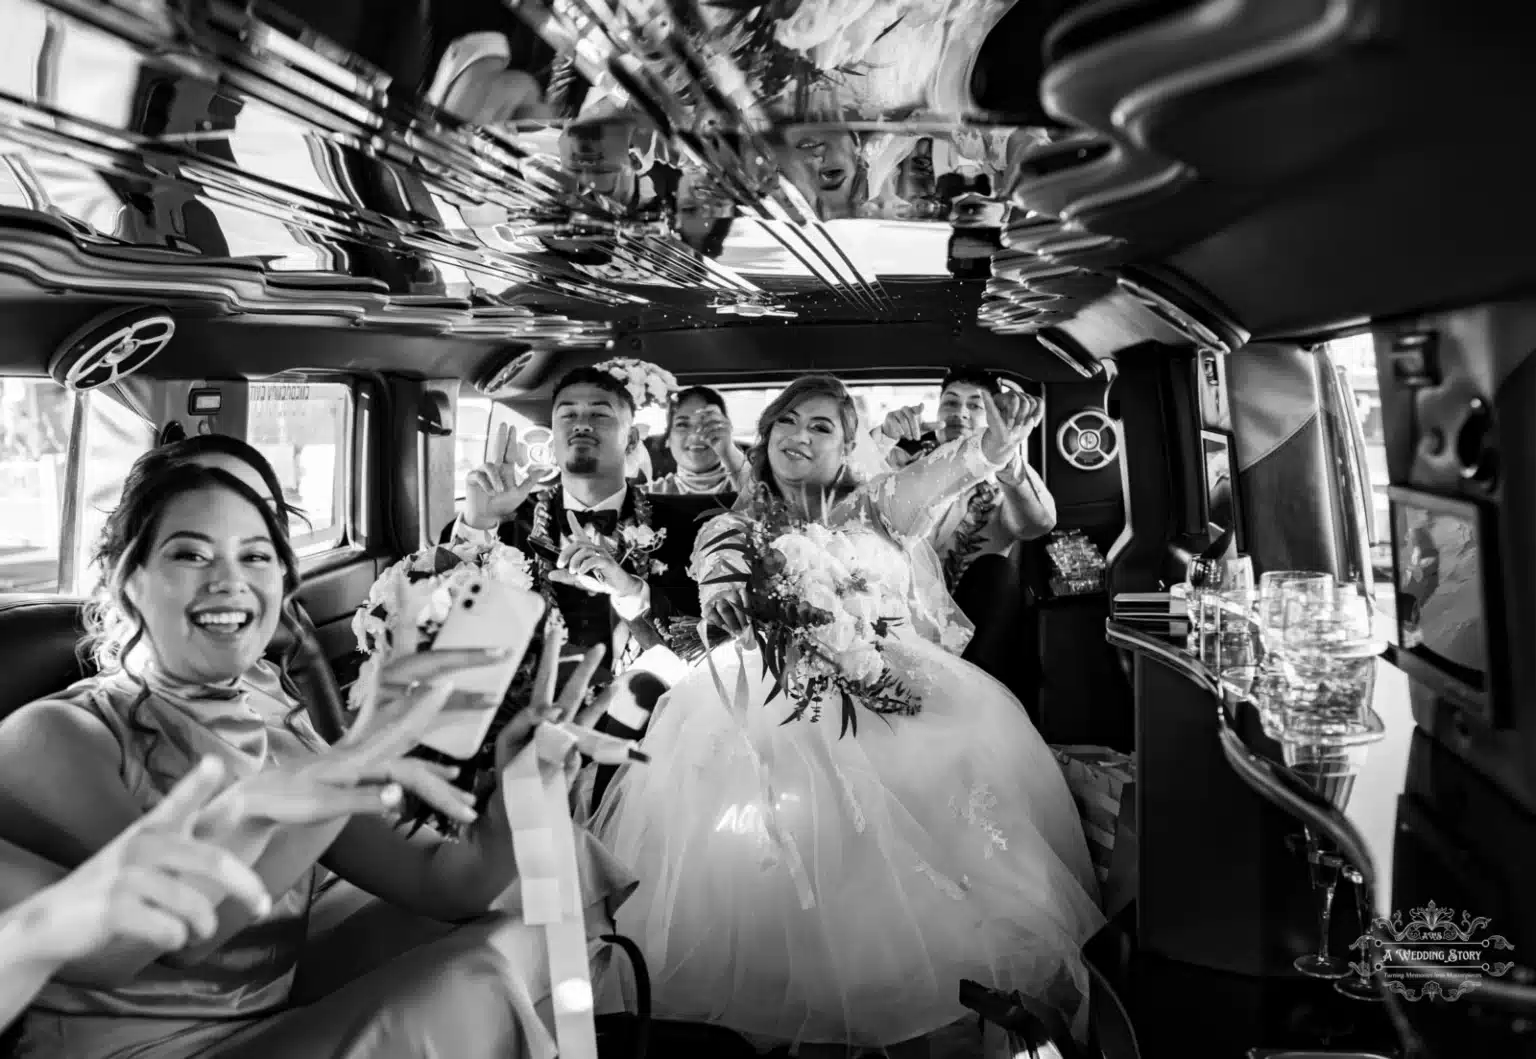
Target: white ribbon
(533,789)
(762,763)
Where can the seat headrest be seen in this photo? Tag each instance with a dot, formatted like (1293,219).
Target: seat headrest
(39,648)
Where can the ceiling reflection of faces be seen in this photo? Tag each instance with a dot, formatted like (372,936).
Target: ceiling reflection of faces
(583,156)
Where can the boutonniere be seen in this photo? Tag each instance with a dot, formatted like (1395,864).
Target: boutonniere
(638,541)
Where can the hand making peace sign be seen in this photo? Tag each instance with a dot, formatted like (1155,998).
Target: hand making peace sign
(495,490)
(154,883)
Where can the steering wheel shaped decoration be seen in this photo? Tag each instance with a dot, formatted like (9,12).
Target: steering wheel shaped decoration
(1089,440)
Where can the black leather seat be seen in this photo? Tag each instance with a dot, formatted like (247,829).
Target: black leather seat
(43,634)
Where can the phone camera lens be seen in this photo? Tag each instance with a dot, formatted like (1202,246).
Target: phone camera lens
(473,589)
(468,603)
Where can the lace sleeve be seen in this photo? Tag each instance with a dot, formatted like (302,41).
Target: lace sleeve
(712,559)
(911,499)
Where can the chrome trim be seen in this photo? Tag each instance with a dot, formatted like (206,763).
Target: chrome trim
(1175,315)
(1347,442)
(1180,661)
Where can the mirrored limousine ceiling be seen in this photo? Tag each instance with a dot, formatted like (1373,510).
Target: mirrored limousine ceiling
(526,174)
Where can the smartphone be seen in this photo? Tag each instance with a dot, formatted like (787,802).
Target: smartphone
(486,615)
(919,446)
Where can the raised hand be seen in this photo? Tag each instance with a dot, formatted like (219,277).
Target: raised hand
(587,561)
(716,431)
(366,772)
(1034,412)
(1010,418)
(904,424)
(495,490)
(552,703)
(154,883)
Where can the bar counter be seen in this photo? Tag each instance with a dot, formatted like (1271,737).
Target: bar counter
(1224,901)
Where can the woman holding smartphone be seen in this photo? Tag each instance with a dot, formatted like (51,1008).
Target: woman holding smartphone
(197,576)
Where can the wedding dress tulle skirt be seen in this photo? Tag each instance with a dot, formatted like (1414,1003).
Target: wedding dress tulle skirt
(801,887)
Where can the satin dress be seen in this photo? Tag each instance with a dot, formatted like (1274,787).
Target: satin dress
(394,986)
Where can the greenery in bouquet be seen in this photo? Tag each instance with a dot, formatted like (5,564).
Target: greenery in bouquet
(766,42)
(821,618)
(405,610)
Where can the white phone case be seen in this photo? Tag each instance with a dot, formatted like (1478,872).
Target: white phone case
(486,614)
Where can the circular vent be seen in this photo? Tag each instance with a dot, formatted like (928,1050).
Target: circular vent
(111,348)
(1088,440)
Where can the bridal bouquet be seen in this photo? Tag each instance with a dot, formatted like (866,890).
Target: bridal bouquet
(821,618)
(405,610)
(648,385)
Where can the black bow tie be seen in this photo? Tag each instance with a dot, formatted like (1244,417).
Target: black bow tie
(605,523)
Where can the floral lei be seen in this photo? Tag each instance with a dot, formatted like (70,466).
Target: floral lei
(969,534)
(634,543)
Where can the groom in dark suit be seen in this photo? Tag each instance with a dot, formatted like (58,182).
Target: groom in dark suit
(612,558)
(615,560)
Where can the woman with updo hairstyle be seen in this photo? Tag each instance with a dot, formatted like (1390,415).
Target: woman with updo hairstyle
(196,576)
(226,453)
(244,461)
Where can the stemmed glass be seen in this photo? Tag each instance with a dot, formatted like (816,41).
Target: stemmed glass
(1330,768)
(1355,985)
(1325,723)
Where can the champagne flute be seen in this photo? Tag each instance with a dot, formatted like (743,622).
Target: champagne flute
(1328,771)
(1355,985)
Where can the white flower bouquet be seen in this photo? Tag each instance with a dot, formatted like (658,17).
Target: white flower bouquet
(822,618)
(406,608)
(648,385)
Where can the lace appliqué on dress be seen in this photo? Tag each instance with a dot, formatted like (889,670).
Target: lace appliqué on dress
(971,534)
(976,811)
(853,802)
(948,887)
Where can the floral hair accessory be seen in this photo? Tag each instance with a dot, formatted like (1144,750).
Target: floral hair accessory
(648,385)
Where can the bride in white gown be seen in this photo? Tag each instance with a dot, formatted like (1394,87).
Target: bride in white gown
(799,887)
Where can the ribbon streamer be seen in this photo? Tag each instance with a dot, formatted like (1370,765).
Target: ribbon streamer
(538,809)
(762,764)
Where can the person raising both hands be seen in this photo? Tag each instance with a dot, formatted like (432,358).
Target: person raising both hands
(996,513)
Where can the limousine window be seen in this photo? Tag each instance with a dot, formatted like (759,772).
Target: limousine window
(45,541)
(305,430)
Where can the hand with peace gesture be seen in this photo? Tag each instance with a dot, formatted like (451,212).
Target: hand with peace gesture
(552,703)
(495,490)
(155,884)
(367,771)
(1010,418)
